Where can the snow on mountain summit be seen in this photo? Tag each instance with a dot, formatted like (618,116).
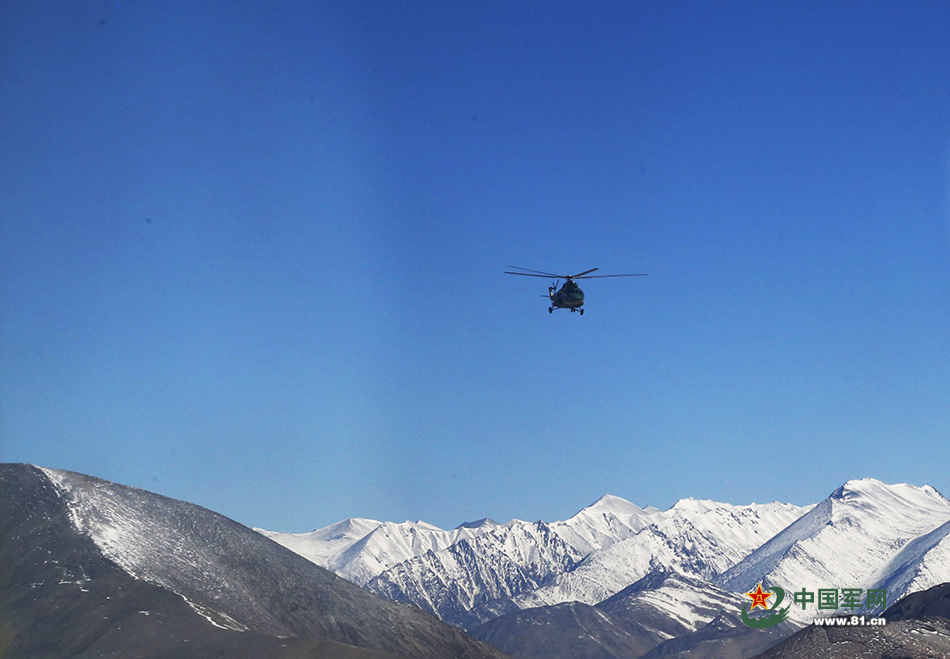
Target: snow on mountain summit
(693,537)
(360,549)
(602,523)
(846,540)
(884,501)
(485,522)
(615,504)
(327,546)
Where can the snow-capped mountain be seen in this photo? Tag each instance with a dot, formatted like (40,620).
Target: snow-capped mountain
(603,523)
(328,546)
(866,534)
(475,579)
(360,549)
(853,539)
(476,572)
(618,541)
(481,565)
(696,538)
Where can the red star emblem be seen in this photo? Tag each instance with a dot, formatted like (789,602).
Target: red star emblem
(758,598)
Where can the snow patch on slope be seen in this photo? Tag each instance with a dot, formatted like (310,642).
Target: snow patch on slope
(122,527)
(689,601)
(922,563)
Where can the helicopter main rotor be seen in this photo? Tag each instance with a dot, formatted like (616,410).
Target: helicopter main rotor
(583,275)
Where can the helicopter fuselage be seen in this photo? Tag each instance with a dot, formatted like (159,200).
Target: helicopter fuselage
(569,296)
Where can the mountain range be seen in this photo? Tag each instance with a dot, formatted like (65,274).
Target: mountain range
(473,573)
(505,582)
(89,567)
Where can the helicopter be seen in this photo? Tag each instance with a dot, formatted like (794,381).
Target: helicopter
(569,296)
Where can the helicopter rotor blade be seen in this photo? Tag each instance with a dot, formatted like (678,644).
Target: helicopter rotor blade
(528,274)
(539,272)
(583,273)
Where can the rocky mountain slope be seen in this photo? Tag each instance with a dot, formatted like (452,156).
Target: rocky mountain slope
(917,628)
(90,566)
(657,608)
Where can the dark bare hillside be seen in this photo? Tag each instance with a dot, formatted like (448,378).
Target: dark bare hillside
(218,590)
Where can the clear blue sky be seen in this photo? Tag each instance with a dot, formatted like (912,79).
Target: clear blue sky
(251,254)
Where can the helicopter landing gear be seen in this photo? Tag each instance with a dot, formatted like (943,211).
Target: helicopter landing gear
(582,312)
(550,309)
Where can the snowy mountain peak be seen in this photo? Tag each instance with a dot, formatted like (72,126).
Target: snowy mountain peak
(693,505)
(615,504)
(486,570)
(602,523)
(897,494)
(348,527)
(869,501)
(485,522)
(858,487)
(326,546)
(419,524)
(847,540)
(865,534)
(360,549)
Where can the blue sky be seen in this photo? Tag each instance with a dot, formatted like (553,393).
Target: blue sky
(252,254)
